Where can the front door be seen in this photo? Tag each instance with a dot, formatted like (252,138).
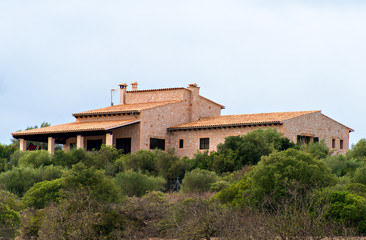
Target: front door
(125,144)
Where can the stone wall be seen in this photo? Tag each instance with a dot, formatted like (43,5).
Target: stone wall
(318,125)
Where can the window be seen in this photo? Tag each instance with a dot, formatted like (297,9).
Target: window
(316,139)
(333,143)
(157,143)
(341,144)
(181,143)
(303,139)
(204,143)
(124,144)
(93,145)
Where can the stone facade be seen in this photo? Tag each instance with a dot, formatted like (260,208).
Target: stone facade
(182,119)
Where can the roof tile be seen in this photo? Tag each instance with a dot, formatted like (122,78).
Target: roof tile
(227,120)
(77,127)
(121,108)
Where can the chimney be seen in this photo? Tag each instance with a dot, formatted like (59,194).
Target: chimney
(123,89)
(194,111)
(134,86)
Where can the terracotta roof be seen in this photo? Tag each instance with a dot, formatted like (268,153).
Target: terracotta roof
(77,127)
(244,119)
(124,108)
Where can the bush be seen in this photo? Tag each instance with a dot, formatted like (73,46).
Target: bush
(43,193)
(219,185)
(282,174)
(318,150)
(100,186)
(19,180)
(138,184)
(344,206)
(198,180)
(341,165)
(35,159)
(10,199)
(142,160)
(358,151)
(9,222)
(360,175)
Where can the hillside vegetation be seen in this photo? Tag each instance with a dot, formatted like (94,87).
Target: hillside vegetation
(256,186)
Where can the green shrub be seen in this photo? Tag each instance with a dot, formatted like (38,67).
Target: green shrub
(318,150)
(10,199)
(344,206)
(19,180)
(142,160)
(138,184)
(219,185)
(282,174)
(35,159)
(198,180)
(43,193)
(360,175)
(233,194)
(9,222)
(341,165)
(100,186)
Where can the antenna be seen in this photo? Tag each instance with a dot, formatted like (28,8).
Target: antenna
(112,91)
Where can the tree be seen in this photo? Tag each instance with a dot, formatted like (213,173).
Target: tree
(282,174)
(358,150)
(248,149)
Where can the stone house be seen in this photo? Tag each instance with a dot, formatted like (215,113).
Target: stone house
(179,118)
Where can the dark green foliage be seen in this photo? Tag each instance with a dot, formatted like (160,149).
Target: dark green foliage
(35,159)
(238,151)
(11,200)
(219,185)
(43,193)
(318,150)
(345,206)
(360,175)
(233,194)
(157,162)
(142,160)
(19,180)
(101,187)
(342,165)
(9,222)
(358,150)
(138,184)
(198,180)
(280,175)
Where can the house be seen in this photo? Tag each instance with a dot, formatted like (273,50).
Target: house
(179,118)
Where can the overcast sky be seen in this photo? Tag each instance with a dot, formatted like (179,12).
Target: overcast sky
(63,57)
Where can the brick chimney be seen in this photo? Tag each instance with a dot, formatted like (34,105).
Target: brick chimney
(193,102)
(123,89)
(134,86)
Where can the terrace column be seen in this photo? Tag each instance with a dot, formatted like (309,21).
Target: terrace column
(23,145)
(109,139)
(65,147)
(51,145)
(79,142)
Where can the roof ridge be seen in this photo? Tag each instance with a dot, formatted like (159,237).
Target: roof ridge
(158,89)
